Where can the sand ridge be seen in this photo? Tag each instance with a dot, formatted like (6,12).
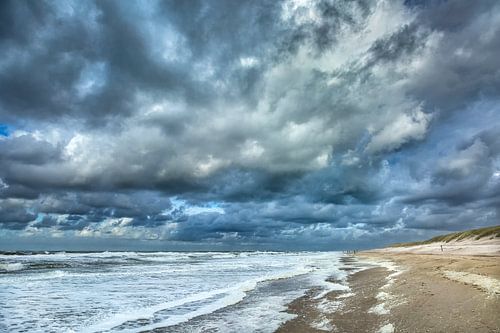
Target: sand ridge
(488,284)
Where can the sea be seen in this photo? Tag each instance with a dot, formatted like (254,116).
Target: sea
(160,291)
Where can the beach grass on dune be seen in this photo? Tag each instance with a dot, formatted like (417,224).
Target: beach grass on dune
(456,236)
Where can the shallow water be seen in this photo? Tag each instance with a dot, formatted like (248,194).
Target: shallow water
(182,291)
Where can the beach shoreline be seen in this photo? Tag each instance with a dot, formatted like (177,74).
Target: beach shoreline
(407,292)
(335,311)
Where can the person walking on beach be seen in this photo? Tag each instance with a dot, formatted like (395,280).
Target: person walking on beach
(441,248)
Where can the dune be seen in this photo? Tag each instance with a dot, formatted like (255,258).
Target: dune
(464,247)
(477,242)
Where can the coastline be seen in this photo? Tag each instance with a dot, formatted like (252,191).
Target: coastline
(372,291)
(346,313)
(407,292)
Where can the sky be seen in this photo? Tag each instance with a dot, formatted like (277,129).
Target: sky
(246,125)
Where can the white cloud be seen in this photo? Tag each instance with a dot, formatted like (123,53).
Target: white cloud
(405,128)
(249,61)
(465,162)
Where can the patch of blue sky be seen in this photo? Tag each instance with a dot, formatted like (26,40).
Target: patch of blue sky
(209,207)
(5,130)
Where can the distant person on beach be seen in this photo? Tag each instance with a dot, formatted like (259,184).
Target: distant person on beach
(441,248)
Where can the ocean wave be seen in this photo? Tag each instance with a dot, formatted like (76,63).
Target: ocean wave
(223,297)
(139,291)
(11,267)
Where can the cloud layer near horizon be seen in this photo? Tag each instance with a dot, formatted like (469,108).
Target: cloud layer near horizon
(273,124)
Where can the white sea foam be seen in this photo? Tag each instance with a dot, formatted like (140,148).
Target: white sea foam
(321,279)
(145,313)
(230,299)
(379,309)
(390,266)
(386,300)
(327,306)
(232,296)
(265,309)
(11,267)
(387,328)
(322,324)
(120,291)
(346,295)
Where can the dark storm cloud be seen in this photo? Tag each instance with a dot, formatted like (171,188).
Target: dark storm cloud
(468,175)
(12,30)
(18,192)
(102,205)
(466,58)
(14,215)
(91,60)
(246,122)
(83,60)
(25,150)
(451,15)
(46,222)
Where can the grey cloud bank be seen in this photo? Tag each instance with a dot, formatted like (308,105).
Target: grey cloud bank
(246,124)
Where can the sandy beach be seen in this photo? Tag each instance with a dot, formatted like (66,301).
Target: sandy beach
(409,292)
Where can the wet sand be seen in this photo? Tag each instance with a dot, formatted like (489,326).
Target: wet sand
(340,311)
(427,293)
(365,284)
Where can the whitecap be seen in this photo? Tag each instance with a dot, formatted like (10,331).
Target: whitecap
(11,267)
